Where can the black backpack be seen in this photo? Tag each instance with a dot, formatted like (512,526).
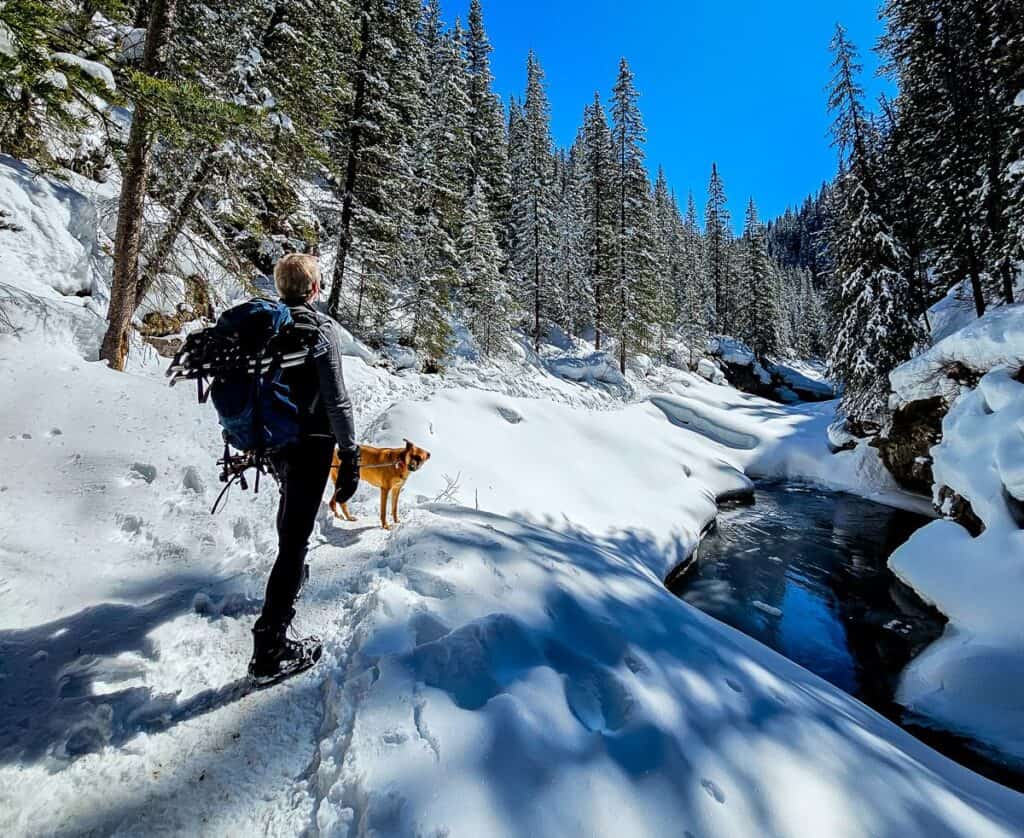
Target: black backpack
(238,363)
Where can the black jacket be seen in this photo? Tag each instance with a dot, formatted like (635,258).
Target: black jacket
(319,388)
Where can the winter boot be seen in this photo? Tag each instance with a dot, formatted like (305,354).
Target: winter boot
(276,656)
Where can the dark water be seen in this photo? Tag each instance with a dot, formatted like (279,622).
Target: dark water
(805,572)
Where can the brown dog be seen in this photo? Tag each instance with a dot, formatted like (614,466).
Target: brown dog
(385,468)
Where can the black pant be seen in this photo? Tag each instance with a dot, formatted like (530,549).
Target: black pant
(302,473)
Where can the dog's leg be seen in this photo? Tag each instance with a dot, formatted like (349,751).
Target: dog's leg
(348,515)
(384,509)
(394,504)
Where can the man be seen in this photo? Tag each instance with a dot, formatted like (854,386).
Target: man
(325,415)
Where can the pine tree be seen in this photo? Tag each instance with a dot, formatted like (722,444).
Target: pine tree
(874,331)
(489,305)
(533,196)
(760,291)
(596,177)
(958,75)
(374,155)
(632,290)
(45,97)
(717,246)
(441,162)
(694,296)
(574,295)
(488,144)
(114,348)
(667,234)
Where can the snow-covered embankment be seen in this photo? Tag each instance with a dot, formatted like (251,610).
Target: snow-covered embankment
(972,679)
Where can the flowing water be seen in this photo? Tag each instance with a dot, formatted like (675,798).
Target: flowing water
(805,572)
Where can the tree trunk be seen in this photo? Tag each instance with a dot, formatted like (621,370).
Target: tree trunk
(536,278)
(155,265)
(114,349)
(351,165)
(977,291)
(597,259)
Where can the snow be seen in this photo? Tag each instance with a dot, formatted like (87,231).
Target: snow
(804,377)
(93,69)
(133,44)
(707,370)
(507,662)
(7,41)
(952,312)
(993,340)
(598,367)
(972,679)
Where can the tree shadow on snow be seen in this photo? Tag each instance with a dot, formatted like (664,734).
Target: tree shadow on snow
(49,705)
(743,710)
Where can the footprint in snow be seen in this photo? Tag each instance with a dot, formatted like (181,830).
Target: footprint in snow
(143,471)
(713,790)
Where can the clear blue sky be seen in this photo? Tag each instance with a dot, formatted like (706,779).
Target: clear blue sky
(739,82)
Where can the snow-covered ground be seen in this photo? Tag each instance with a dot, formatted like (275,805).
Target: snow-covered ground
(506,661)
(972,679)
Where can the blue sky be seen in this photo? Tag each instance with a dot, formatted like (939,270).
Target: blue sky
(739,82)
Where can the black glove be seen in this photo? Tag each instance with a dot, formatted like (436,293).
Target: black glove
(347,481)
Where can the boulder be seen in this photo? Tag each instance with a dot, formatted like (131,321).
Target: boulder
(905,446)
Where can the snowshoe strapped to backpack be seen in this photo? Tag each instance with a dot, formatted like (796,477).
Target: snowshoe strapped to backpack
(242,357)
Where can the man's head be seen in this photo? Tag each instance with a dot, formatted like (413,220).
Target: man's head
(297,277)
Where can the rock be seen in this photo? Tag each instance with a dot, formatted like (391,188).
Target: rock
(840,437)
(707,370)
(959,509)
(905,446)
(166,346)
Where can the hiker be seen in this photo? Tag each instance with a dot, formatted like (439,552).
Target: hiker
(302,469)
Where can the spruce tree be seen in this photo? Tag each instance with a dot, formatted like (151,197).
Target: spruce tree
(488,151)
(874,330)
(572,308)
(717,246)
(441,162)
(596,166)
(667,248)
(375,157)
(759,290)
(632,286)
(694,300)
(489,304)
(533,197)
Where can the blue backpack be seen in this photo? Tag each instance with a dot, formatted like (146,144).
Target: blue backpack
(243,358)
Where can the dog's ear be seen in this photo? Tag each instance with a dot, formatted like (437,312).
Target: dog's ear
(408,444)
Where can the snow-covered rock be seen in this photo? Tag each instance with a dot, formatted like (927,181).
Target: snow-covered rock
(707,370)
(93,69)
(952,312)
(52,237)
(806,382)
(972,679)
(401,357)
(993,340)
(597,367)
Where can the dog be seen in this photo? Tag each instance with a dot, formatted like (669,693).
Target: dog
(385,468)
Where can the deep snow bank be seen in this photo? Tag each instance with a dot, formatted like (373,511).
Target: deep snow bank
(49,253)
(972,679)
(521,670)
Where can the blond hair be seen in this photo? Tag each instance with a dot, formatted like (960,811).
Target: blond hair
(295,275)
